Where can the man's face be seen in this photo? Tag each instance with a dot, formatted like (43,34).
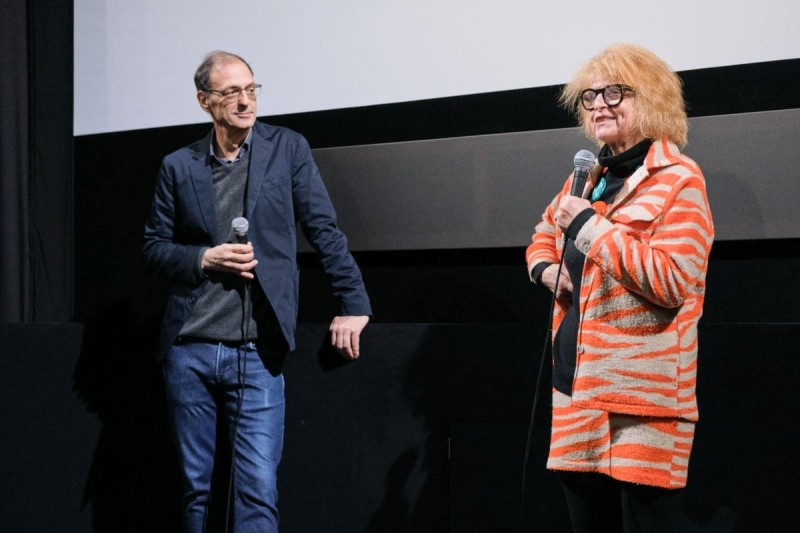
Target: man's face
(233,113)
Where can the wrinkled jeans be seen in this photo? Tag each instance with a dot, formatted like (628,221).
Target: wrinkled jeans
(204,379)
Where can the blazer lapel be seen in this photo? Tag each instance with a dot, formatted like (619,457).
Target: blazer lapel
(202,181)
(262,152)
(633,181)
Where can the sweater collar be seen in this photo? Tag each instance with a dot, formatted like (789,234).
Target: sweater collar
(624,164)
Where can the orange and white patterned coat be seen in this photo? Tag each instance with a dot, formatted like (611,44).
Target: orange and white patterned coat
(642,290)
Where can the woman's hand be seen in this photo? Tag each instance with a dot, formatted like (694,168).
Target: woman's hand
(568,208)
(563,291)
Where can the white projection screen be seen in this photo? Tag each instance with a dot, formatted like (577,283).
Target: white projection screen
(134,60)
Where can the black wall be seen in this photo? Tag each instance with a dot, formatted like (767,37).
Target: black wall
(426,432)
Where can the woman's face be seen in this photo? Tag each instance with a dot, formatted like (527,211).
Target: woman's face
(613,125)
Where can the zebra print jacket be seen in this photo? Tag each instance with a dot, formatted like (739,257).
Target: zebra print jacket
(642,288)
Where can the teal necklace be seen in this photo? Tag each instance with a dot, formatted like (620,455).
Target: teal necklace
(618,166)
(599,189)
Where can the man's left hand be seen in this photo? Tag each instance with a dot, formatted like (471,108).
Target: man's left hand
(346,333)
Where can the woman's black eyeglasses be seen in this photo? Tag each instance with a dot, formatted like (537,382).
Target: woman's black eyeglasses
(612,95)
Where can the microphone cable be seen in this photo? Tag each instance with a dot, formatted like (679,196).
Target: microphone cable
(241,369)
(583,162)
(537,389)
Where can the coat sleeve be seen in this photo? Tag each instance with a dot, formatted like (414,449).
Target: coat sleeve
(662,262)
(163,254)
(545,242)
(317,219)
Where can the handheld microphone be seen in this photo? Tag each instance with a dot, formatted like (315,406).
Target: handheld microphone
(583,161)
(240,227)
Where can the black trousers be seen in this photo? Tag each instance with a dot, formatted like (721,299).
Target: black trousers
(600,504)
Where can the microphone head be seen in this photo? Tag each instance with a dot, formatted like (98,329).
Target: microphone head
(584,160)
(240,226)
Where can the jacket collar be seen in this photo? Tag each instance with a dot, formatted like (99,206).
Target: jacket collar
(262,148)
(662,153)
(202,182)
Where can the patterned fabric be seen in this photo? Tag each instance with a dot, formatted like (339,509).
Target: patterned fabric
(647,450)
(640,301)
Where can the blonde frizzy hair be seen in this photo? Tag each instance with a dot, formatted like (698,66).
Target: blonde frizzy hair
(658,101)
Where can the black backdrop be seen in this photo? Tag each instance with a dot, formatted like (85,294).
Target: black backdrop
(426,432)
(36,242)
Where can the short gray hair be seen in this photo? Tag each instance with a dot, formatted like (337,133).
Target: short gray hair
(202,76)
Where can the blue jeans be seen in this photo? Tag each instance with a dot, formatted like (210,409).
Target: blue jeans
(203,380)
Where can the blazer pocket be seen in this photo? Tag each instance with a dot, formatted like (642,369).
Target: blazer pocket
(274,207)
(637,217)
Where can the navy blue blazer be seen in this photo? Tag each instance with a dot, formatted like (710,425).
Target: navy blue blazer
(284,190)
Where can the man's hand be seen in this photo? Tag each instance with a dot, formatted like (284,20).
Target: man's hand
(346,333)
(237,259)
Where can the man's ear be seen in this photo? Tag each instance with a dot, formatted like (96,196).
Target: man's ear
(202,99)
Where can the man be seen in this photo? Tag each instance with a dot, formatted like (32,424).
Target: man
(231,314)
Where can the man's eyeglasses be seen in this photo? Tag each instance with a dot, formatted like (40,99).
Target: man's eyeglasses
(231,94)
(612,95)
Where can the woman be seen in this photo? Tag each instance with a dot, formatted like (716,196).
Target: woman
(628,297)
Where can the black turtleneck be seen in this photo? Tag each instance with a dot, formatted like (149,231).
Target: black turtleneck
(617,169)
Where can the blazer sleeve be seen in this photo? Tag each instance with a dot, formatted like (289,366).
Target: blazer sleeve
(163,253)
(317,219)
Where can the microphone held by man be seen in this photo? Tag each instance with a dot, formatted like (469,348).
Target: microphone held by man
(240,225)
